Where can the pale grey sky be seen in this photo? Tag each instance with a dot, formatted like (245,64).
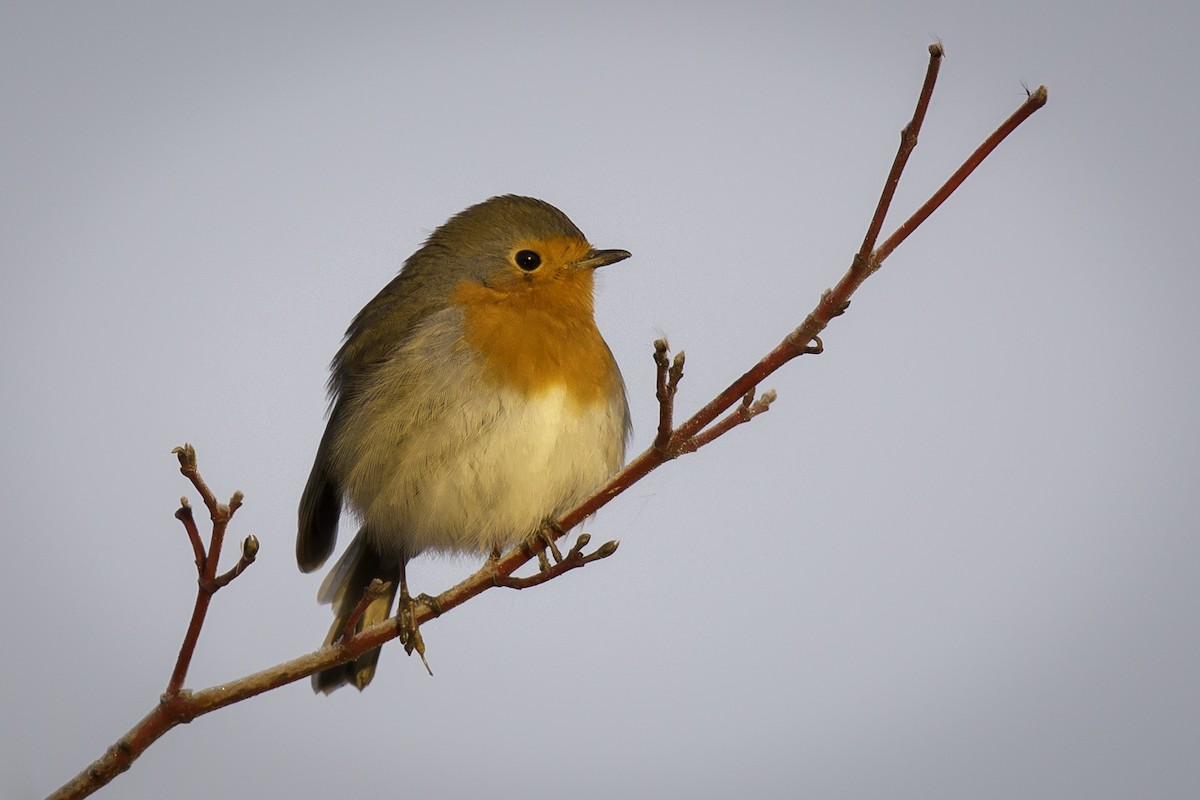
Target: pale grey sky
(957,559)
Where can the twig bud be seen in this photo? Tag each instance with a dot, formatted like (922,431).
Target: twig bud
(186,454)
(250,549)
(607,549)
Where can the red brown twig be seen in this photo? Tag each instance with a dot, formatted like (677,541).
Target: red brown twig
(574,559)
(374,591)
(667,378)
(178,705)
(206,562)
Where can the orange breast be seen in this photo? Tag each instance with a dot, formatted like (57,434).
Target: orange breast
(538,334)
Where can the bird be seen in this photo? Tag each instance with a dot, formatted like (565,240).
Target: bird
(472,401)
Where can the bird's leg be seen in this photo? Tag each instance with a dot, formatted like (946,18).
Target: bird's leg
(541,539)
(410,632)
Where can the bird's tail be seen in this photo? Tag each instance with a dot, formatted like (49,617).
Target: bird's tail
(343,587)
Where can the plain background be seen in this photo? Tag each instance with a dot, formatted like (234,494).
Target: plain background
(957,559)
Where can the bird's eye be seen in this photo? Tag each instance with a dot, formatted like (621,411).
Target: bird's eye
(528,260)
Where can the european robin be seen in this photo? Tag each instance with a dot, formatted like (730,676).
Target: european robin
(472,400)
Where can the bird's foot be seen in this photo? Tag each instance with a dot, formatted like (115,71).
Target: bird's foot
(410,632)
(542,540)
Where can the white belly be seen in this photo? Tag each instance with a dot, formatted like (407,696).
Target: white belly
(486,475)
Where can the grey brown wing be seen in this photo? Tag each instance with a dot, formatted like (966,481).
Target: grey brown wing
(373,335)
(320,505)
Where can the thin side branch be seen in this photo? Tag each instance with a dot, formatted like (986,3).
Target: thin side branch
(373,592)
(249,553)
(746,411)
(187,466)
(185,515)
(208,582)
(667,378)
(908,142)
(574,559)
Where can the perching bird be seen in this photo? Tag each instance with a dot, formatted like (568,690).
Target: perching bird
(473,400)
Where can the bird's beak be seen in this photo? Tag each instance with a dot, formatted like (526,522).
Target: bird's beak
(601,258)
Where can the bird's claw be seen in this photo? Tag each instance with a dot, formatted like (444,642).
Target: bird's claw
(542,540)
(410,632)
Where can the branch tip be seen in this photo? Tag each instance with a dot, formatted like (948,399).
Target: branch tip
(249,553)
(666,383)
(677,368)
(605,550)
(186,454)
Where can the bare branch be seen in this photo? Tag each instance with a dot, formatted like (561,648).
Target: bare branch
(178,705)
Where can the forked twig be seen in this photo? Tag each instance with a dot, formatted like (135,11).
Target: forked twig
(206,560)
(667,378)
